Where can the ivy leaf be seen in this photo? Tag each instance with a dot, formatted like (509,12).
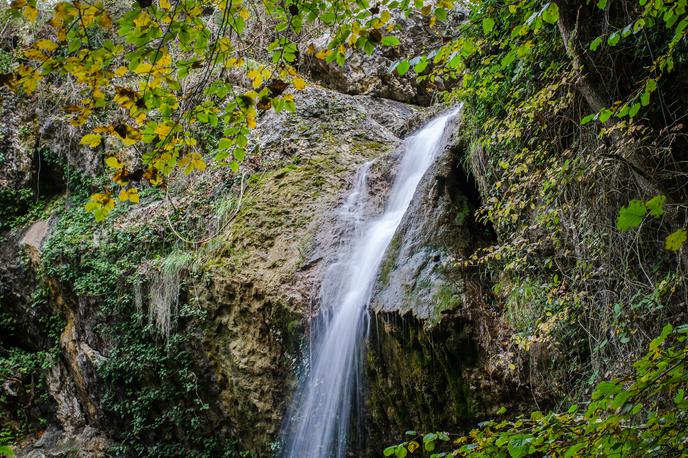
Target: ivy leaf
(631,216)
(605,115)
(675,240)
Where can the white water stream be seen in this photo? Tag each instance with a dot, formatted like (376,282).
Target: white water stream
(318,422)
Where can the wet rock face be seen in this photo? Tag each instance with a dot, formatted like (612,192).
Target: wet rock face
(417,276)
(418,378)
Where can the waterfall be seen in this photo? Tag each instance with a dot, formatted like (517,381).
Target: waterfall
(318,421)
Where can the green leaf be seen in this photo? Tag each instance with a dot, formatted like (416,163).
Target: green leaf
(587,119)
(631,216)
(602,4)
(488,25)
(605,115)
(645,99)
(613,39)
(595,44)
(571,451)
(675,240)
(6,451)
(429,437)
(656,205)
(519,446)
(421,65)
(551,13)
(634,110)
(403,67)
(390,40)
(661,338)
(389,451)
(651,85)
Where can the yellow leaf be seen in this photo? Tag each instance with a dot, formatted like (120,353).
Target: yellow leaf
(121,71)
(243,13)
(199,164)
(162,130)
(105,20)
(225,44)
(112,162)
(92,140)
(123,195)
(30,13)
(257,81)
(143,19)
(134,196)
(46,45)
(35,54)
(299,84)
(251,121)
(165,4)
(323,54)
(143,67)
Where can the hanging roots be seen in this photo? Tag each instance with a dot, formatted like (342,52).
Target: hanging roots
(164,289)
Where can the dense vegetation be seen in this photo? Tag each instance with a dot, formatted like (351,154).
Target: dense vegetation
(580,149)
(575,113)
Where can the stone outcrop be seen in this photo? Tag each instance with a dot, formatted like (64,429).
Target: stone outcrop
(259,291)
(255,282)
(372,74)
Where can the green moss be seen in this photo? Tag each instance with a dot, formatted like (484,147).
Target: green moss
(447,298)
(389,263)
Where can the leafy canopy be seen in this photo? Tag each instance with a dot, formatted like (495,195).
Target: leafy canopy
(152,74)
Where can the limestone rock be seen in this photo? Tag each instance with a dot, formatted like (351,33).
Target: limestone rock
(372,74)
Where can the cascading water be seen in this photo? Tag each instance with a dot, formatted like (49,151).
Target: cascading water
(318,422)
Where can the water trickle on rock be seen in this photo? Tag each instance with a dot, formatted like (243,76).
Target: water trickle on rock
(318,422)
